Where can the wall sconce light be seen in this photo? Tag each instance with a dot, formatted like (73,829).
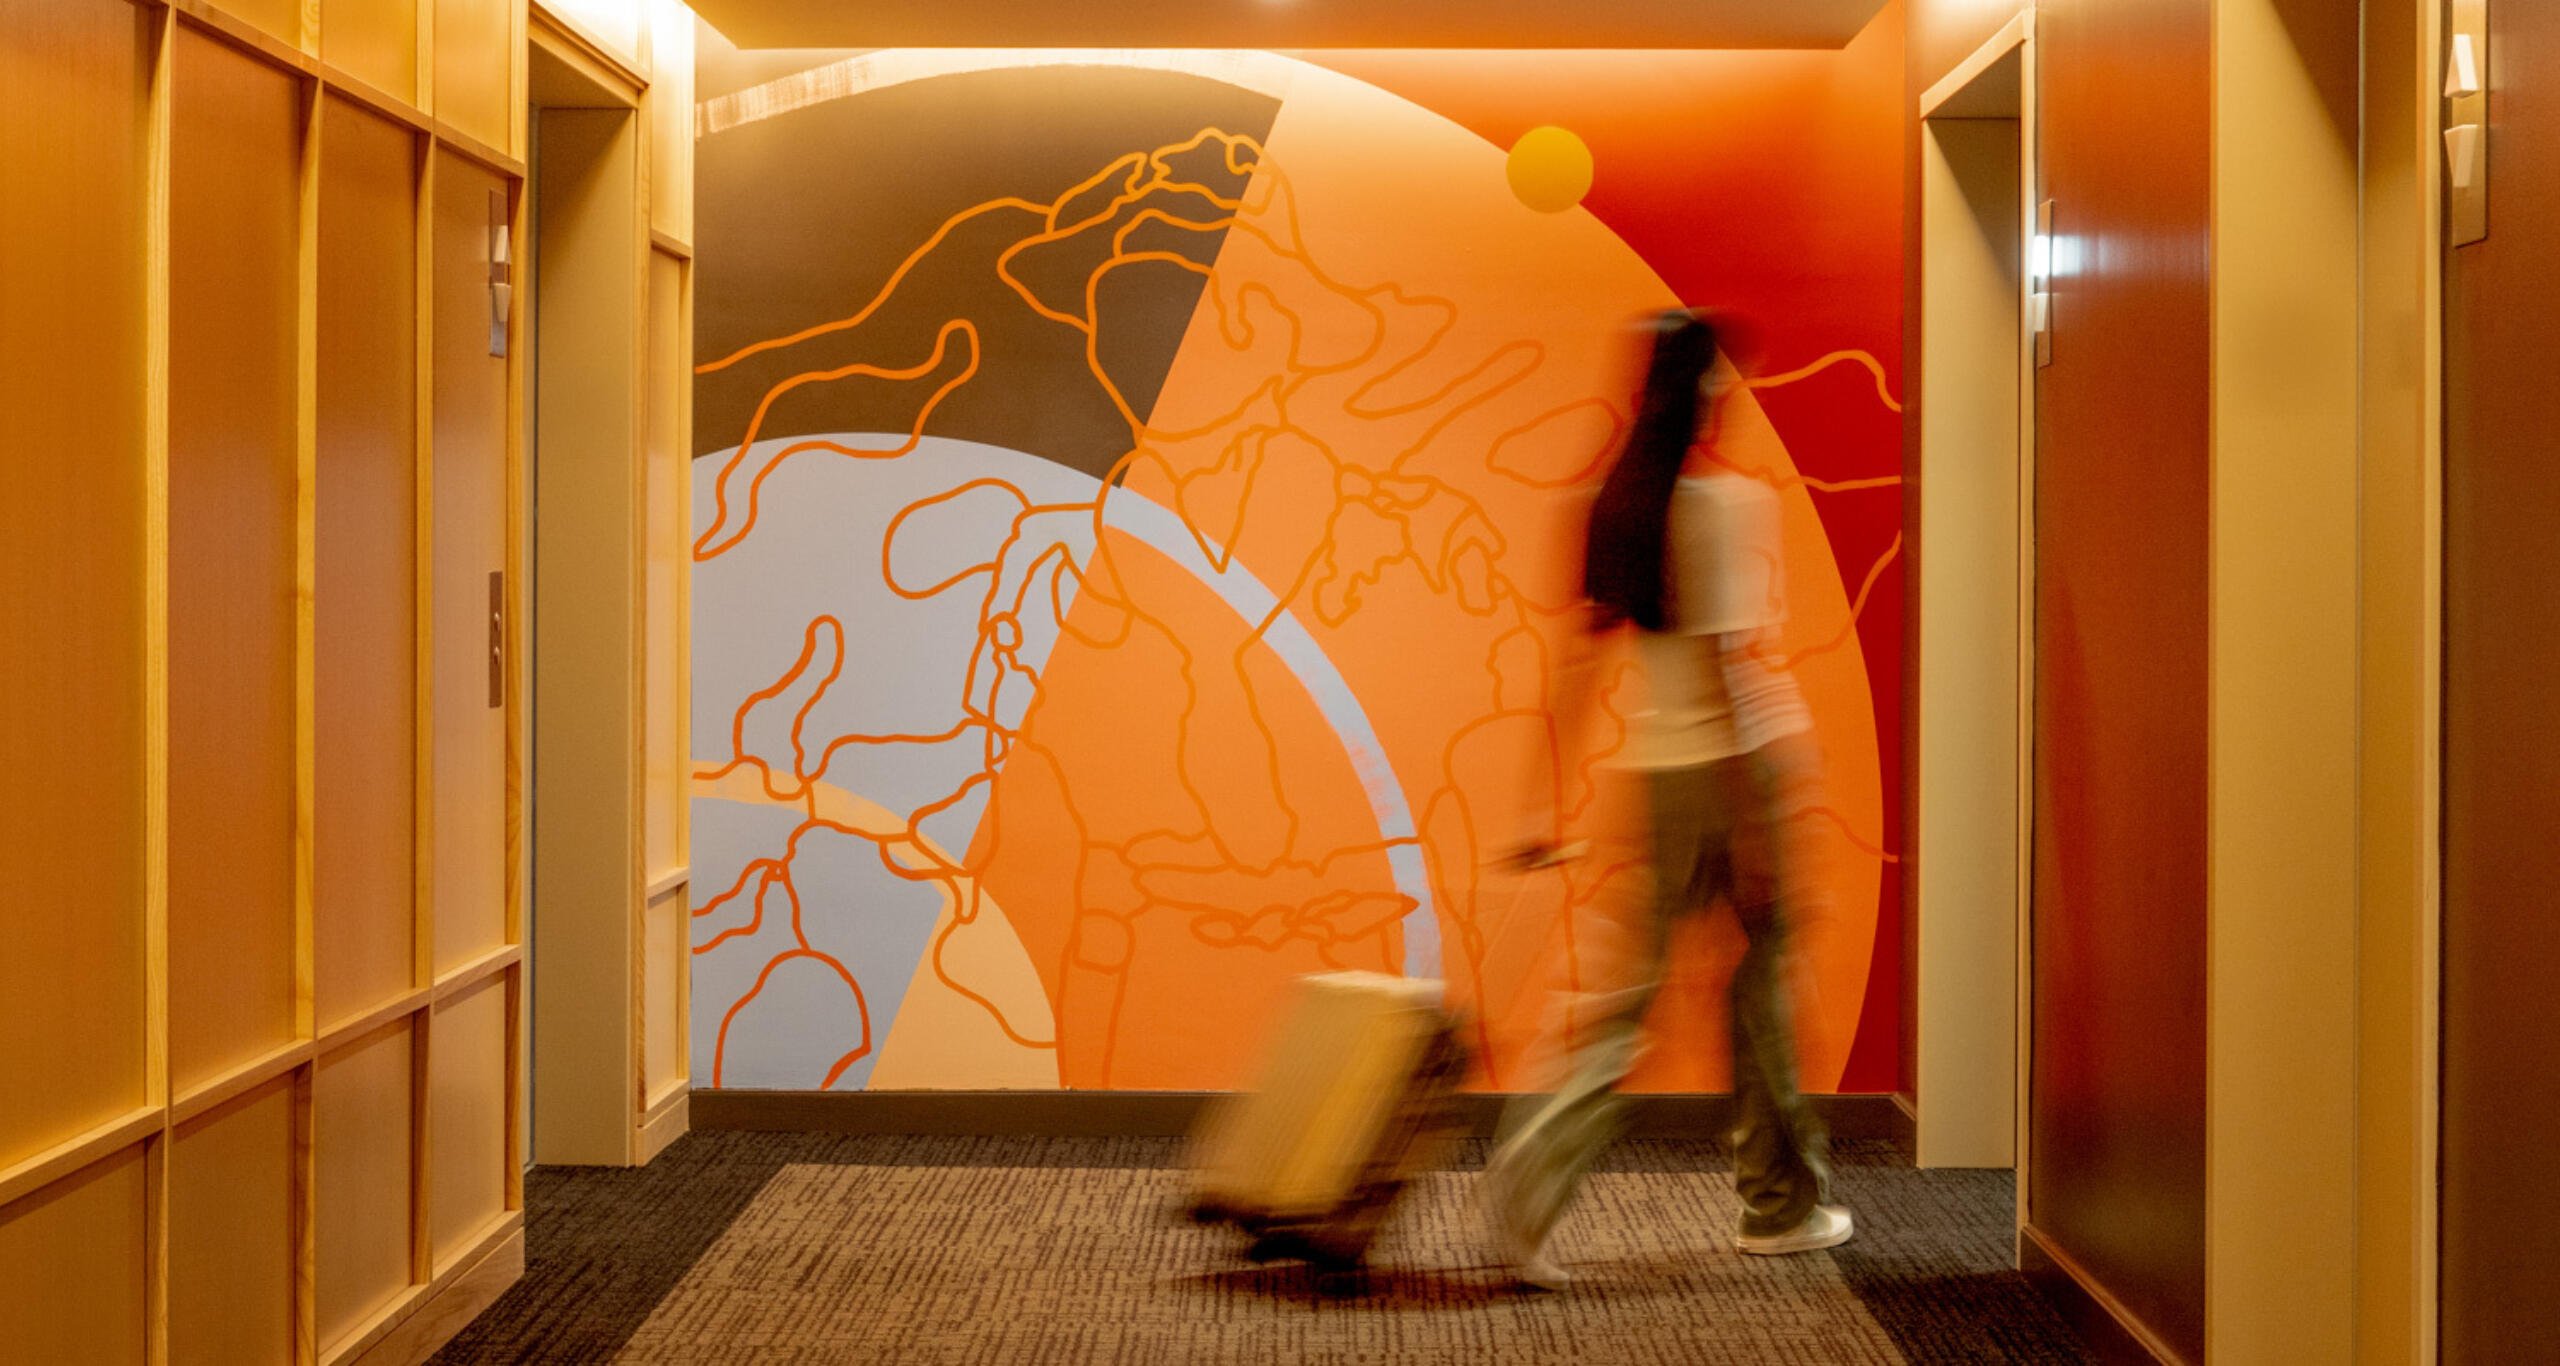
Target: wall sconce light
(2040,252)
(501,272)
(2466,122)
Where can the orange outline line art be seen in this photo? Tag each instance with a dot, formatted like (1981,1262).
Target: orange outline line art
(1850,357)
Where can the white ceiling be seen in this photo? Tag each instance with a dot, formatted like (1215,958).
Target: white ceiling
(1298,24)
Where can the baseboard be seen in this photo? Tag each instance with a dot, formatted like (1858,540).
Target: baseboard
(2105,1326)
(666,1122)
(464,1296)
(1162,1114)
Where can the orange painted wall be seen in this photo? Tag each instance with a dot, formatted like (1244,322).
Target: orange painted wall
(1379,378)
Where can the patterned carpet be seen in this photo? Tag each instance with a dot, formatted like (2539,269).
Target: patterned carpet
(821,1248)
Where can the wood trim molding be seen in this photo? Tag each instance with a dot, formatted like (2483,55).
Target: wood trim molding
(459,1296)
(472,149)
(33,1174)
(472,971)
(2016,33)
(564,38)
(379,1325)
(240,33)
(1167,1114)
(665,1122)
(239,1081)
(2103,1324)
(668,244)
(339,1033)
(357,91)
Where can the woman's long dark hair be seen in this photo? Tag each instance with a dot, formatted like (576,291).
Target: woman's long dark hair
(1623,569)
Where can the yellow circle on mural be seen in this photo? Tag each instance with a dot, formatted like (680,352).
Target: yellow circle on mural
(1550,169)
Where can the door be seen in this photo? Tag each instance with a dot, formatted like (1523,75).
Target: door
(2500,1198)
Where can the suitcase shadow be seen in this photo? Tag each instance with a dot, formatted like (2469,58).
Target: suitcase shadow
(1379,1287)
(1432,1287)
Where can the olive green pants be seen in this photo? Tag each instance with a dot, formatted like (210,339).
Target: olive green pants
(1714,837)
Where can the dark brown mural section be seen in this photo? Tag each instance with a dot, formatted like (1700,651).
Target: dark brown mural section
(930,196)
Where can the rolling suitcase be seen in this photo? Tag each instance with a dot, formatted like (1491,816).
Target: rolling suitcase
(1357,1096)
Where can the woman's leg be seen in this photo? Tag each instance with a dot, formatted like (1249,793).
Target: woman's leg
(1781,1152)
(1548,1142)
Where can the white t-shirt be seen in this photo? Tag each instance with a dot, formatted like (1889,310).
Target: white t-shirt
(1722,557)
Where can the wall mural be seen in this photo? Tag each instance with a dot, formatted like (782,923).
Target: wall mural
(1136,499)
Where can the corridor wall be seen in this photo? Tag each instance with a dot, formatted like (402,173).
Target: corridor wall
(2228,984)
(1134,505)
(258,1040)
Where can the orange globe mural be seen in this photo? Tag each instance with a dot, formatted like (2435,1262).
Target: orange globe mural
(1136,588)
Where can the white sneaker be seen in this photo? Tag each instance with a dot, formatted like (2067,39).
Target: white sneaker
(1826,1226)
(1528,1260)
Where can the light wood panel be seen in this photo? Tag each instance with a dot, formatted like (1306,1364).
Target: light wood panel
(282,20)
(2401,604)
(591,266)
(230,529)
(363,936)
(668,922)
(461,1295)
(72,1264)
(2280,1259)
(469,465)
(670,102)
(233,1230)
(72,213)
(361,1131)
(235,206)
(667,544)
(1967,770)
(473,92)
(467,1078)
(613,25)
(375,41)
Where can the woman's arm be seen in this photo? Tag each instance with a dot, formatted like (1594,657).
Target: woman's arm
(1574,692)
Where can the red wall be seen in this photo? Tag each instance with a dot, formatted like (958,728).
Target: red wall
(2116,1108)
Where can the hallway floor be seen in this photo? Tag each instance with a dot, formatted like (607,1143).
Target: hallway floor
(738,1247)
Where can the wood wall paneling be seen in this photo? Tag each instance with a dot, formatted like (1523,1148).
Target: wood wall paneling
(1967,611)
(232,1231)
(2286,241)
(2116,1165)
(469,467)
(73,1258)
(2501,1198)
(234,231)
(292,277)
(468,1075)
(668,547)
(375,41)
(2401,586)
(612,24)
(361,1130)
(367,575)
(590,397)
(282,20)
(474,85)
(671,109)
(72,128)
(668,923)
